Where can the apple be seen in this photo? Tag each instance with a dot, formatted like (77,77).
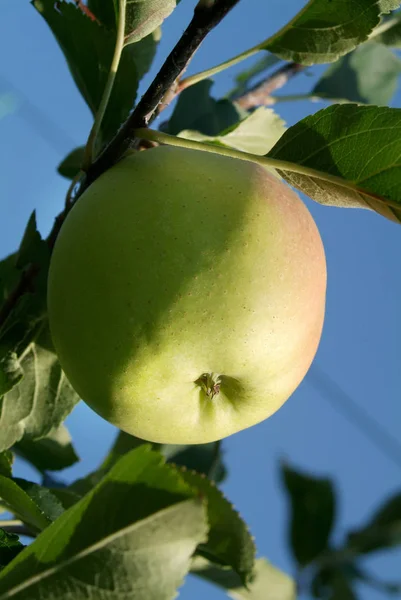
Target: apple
(186,295)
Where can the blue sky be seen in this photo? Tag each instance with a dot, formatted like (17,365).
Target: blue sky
(361,343)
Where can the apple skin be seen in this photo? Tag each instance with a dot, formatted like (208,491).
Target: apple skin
(186,295)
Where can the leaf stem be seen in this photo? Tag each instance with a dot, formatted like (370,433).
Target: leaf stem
(10,523)
(90,149)
(192,79)
(16,526)
(206,17)
(265,161)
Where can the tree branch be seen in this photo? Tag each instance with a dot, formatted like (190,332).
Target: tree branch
(207,15)
(15,526)
(260,94)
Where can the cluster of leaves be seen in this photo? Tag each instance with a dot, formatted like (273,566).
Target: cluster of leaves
(142,521)
(333,571)
(139,524)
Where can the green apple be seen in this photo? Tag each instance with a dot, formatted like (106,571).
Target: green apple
(186,295)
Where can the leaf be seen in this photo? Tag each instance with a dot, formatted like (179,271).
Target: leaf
(382,531)
(10,546)
(244,79)
(133,535)
(27,315)
(41,400)
(88,48)
(269,583)
(22,505)
(9,275)
(257,133)
(6,463)
(104,12)
(51,453)
(197,110)
(28,312)
(229,543)
(144,52)
(71,165)
(332,584)
(203,458)
(324,30)
(10,372)
(392,35)
(142,18)
(346,155)
(46,501)
(32,250)
(312,503)
(368,75)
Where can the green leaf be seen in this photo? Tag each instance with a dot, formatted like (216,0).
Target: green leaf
(268,583)
(312,503)
(44,499)
(333,584)
(22,505)
(133,535)
(382,531)
(41,400)
(346,155)
(9,275)
(391,36)
(6,463)
(144,52)
(203,458)
(324,30)
(197,110)
(51,453)
(28,312)
(244,79)
(10,372)
(103,11)
(368,75)
(32,250)
(257,133)
(10,547)
(142,18)
(88,48)
(229,543)
(71,165)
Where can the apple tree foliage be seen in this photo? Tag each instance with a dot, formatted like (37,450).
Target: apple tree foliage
(150,514)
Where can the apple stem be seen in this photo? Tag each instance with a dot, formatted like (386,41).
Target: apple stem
(210,384)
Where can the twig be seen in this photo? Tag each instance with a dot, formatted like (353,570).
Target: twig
(206,17)
(259,95)
(16,526)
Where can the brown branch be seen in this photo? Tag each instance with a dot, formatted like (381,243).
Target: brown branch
(260,94)
(207,15)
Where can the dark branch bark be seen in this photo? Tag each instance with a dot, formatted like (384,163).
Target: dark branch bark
(206,16)
(260,94)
